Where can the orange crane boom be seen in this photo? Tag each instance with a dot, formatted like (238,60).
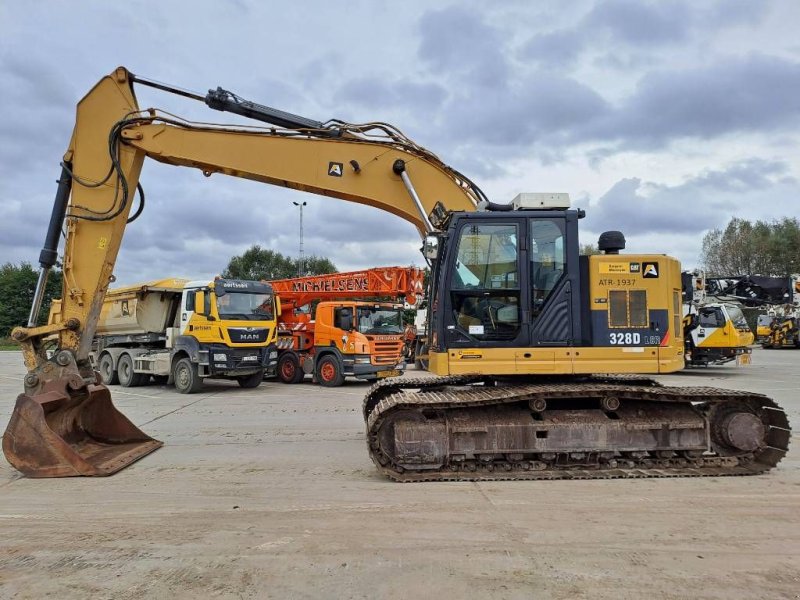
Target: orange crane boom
(394,282)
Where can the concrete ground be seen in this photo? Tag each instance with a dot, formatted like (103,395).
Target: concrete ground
(270,493)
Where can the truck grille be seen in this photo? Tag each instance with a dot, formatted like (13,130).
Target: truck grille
(386,352)
(248,335)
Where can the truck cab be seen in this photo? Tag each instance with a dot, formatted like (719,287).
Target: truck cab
(716,333)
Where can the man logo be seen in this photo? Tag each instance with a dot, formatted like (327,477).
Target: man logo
(335,169)
(650,270)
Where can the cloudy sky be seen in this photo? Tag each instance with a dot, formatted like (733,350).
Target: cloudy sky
(662,119)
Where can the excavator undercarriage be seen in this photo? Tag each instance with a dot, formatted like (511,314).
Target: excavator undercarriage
(473,428)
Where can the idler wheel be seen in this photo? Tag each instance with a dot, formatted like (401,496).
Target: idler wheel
(743,430)
(610,403)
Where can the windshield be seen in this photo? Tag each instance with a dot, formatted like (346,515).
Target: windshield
(246,306)
(379,320)
(736,315)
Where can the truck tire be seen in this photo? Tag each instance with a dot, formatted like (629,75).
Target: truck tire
(289,370)
(251,381)
(127,378)
(329,371)
(187,380)
(108,374)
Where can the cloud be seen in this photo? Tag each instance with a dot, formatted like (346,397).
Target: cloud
(754,189)
(375,94)
(755,93)
(543,105)
(554,49)
(638,23)
(457,43)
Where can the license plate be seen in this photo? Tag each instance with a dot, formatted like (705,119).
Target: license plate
(249,358)
(743,359)
(392,373)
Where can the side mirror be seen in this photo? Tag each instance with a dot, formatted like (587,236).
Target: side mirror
(430,247)
(200,302)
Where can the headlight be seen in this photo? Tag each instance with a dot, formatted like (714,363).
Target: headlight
(363,360)
(273,354)
(220,357)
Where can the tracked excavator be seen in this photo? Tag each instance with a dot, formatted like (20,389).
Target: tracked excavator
(539,356)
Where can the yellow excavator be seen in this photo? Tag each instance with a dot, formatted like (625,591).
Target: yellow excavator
(539,355)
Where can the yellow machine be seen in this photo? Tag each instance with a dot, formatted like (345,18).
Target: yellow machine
(780,326)
(518,321)
(181,332)
(714,332)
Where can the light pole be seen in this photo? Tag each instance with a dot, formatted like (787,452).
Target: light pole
(300,260)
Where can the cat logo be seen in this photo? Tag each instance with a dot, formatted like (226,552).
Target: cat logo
(650,270)
(335,169)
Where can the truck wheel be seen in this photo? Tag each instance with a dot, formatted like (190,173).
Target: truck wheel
(251,381)
(108,374)
(329,371)
(127,378)
(187,380)
(289,370)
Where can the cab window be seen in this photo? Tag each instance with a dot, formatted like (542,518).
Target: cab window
(711,317)
(484,285)
(547,260)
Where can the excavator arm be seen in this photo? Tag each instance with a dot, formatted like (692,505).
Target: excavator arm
(64,423)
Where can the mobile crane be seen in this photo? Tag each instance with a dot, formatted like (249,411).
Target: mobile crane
(342,335)
(518,322)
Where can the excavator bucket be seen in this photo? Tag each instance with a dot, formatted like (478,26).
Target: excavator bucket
(66,434)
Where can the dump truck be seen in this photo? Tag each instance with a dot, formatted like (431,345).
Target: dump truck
(176,331)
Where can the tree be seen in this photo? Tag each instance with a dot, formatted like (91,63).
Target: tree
(18,284)
(588,249)
(317,265)
(259,263)
(742,248)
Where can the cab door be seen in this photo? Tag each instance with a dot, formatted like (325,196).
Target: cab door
(553,282)
(484,295)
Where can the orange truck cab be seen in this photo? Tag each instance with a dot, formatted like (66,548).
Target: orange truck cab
(343,339)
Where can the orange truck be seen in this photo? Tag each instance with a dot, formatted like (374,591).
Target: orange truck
(329,329)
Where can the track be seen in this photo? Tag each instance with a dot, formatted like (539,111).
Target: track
(435,404)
